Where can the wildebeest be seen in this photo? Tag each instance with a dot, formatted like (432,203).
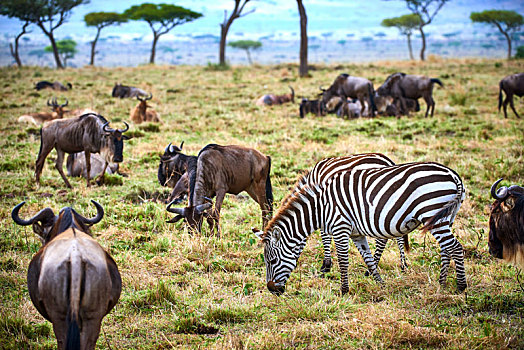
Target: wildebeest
(143,112)
(72,281)
(312,106)
(271,99)
(173,170)
(346,86)
(401,86)
(37,119)
(54,85)
(123,91)
(512,85)
(506,224)
(89,133)
(226,169)
(76,165)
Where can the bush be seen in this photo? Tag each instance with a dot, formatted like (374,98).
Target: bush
(520,52)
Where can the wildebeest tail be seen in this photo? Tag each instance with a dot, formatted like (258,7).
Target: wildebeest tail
(73,335)
(75,291)
(40,150)
(292,94)
(269,189)
(435,80)
(500,95)
(371,98)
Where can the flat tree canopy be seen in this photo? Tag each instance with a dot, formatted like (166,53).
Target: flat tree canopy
(101,20)
(405,24)
(66,48)
(506,21)
(245,44)
(161,18)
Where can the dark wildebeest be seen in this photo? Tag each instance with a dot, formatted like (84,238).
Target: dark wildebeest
(55,86)
(353,87)
(312,106)
(143,113)
(512,85)
(72,281)
(89,133)
(173,171)
(401,86)
(395,109)
(37,119)
(123,91)
(271,99)
(221,170)
(506,224)
(76,165)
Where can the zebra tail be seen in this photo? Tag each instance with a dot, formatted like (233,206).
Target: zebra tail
(448,209)
(406,243)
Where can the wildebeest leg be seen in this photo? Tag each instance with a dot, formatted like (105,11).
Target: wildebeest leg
(403,106)
(88,166)
(216,211)
(505,104)
(258,193)
(513,106)
(100,179)
(429,103)
(90,332)
(40,161)
(362,99)
(59,164)
(60,329)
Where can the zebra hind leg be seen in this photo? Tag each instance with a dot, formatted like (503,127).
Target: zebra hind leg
(362,245)
(450,247)
(403,263)
(380,246)
(326,242)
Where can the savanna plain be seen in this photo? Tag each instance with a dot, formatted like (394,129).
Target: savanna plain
(183,290)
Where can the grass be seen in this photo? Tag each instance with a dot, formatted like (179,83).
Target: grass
(196,291)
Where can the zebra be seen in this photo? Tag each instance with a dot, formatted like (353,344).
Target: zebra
(321,173)
(383,202)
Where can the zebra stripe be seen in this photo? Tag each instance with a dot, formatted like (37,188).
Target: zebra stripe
(328,167)
(386,202)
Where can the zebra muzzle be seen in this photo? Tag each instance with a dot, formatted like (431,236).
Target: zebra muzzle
(275,289)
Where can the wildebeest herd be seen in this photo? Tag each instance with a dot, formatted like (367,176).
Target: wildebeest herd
(73,282)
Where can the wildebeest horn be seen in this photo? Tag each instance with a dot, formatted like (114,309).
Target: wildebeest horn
(149,97)
(106,128)
(181,145)
(209,200)
(48,103)
(98,217)
(179,211)
(124,130)
(502,192)
(321,89)
(43,215)
(65,104)
(169,148)
(199,209)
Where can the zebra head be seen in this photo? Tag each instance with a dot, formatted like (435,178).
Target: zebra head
(280,260)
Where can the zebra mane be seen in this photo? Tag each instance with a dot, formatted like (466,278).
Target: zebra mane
(291,202)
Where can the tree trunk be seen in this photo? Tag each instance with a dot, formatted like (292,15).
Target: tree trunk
(14,51)
(423,48)
(153,49)
(93,47)
(224,28)
(53,44)
(249,57)
(409,47)
(303,69)
(508,38)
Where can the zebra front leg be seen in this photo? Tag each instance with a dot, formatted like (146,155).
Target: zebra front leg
(326,242)
(362,245)
(342,245)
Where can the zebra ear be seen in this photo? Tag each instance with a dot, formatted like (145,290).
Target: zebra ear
(257,232)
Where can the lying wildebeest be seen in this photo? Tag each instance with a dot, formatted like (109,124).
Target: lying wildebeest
(54,85)
(506,224)
(37,119)
(312,106)
(143,112)
(221,170)
(76,165)
(89,133)
(72,281)
(173,170)
(271,99)
(512,85)
(353,87)
(395,108)
(123,91)
(401,86)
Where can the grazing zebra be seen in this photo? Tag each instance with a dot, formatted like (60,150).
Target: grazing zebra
(320,174)
(383,202)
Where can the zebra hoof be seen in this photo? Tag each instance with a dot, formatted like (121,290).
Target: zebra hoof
(326,266)
(367,273)
(461,287)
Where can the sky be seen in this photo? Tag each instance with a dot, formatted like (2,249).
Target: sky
(277,19)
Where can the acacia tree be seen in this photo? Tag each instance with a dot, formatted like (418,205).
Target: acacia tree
(506,21)
(226,24)
(161,19)
(48,15)
(405,24)
(426,10)
(66,49)
(22,10)
(101,20)
(302,69)
(246,45)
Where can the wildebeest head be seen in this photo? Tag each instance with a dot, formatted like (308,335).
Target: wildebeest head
(506,224)
(192,214)
(113,143)
(386,88)
(172,166)
(47,226)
